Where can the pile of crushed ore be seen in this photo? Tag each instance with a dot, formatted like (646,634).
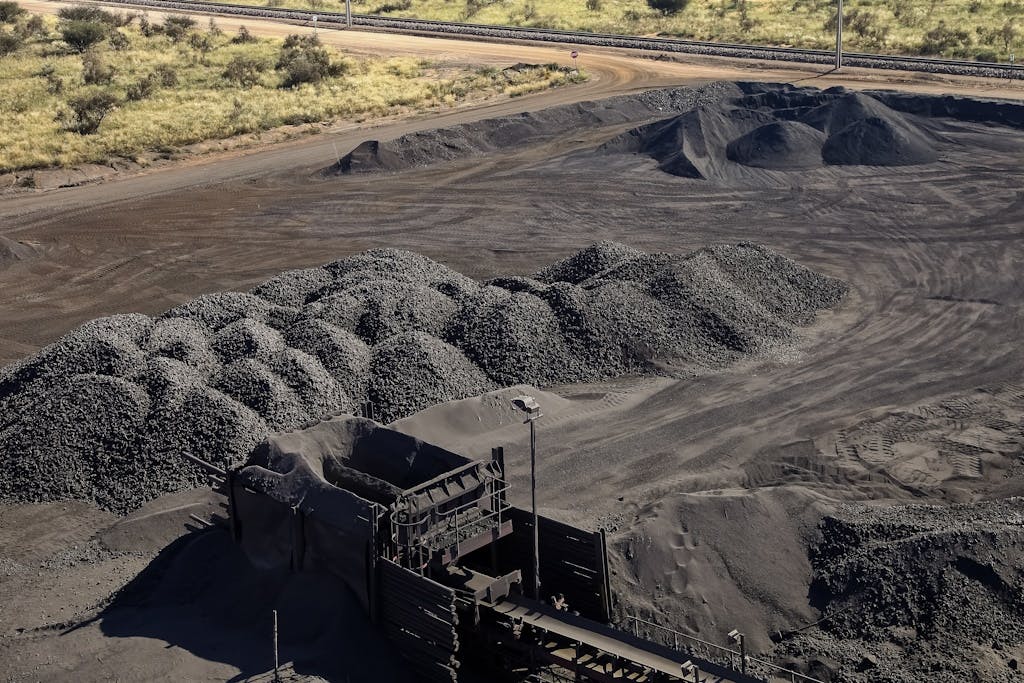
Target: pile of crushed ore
(104,413)
(917,592)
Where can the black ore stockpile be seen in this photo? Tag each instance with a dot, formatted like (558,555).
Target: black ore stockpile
(919,593)
(104,413)
(781,129)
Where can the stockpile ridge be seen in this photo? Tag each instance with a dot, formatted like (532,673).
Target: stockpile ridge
(104,413)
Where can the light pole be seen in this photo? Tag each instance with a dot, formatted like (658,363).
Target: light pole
(839,37)
(529,405)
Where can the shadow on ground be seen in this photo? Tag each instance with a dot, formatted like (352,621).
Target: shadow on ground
(202,595)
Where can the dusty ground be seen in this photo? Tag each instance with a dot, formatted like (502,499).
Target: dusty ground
(710,485)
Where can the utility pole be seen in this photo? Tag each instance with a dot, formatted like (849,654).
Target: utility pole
(348,13)
(839,37)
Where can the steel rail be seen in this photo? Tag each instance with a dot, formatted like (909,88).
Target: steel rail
(450,28)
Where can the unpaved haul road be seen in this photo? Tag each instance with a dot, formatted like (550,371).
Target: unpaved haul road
(612,72)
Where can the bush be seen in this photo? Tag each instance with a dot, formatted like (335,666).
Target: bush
(88,14)
(245,70)
(243,36)
(88,111)
(166,76)
(201,43)
(80,35)
(119,41)
(668,6)
(594,5)
(142,88)
(10,11)
(177,26)
(54,83)
(94,71)
(35,26)
(304,60)
(9,43)
(943,38)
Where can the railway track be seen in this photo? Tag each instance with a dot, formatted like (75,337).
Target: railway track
(577,38)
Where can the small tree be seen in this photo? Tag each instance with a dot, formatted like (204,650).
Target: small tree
(177,26)
(10,11)
(668,6)
(88,111)
(81,35)
(87,13)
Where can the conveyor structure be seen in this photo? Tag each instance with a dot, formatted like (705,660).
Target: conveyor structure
(427,541)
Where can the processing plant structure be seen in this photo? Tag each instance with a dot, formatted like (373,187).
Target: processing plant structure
(428,542)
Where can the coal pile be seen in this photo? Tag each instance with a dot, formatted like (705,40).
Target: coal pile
(914,592)
(780,129)
(104,413)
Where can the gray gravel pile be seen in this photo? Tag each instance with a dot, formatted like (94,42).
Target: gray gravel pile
(105,412)
(915,591)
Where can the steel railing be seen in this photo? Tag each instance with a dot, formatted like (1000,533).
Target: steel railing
(713,652)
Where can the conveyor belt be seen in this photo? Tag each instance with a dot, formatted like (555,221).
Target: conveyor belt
(604,639)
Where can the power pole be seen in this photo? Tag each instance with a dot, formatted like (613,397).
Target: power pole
(839,37)
(348,13)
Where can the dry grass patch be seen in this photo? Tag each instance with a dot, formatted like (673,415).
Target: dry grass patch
(156,88)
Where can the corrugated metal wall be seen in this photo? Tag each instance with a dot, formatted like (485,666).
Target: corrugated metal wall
(419,616)
(573,562)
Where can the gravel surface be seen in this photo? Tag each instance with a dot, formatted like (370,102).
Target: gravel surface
(103,413)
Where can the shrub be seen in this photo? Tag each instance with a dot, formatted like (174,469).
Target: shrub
(9,43)
(94,71)
(942,38)
(10,11)
(146,28)
(668,6)
(119,41)
(243,36)
(166,76)
(200,42)
(88,111)
(177,26)
(87,13)
(245,70)
(986,55)
(54,83)
(142,88)
(594,5)
(304,60)
(213,29)
(35,26)
(80,35)
(399,6)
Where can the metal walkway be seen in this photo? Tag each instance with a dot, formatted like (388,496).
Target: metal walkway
(597,652)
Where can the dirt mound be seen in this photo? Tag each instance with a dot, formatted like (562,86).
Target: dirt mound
(783,145)
(897,581)
(104,412)
(877,142)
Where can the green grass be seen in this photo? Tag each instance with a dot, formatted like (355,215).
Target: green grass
(972,29)
(204,104)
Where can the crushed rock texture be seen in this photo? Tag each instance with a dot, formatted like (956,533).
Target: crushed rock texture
(103,413)
(918,588)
